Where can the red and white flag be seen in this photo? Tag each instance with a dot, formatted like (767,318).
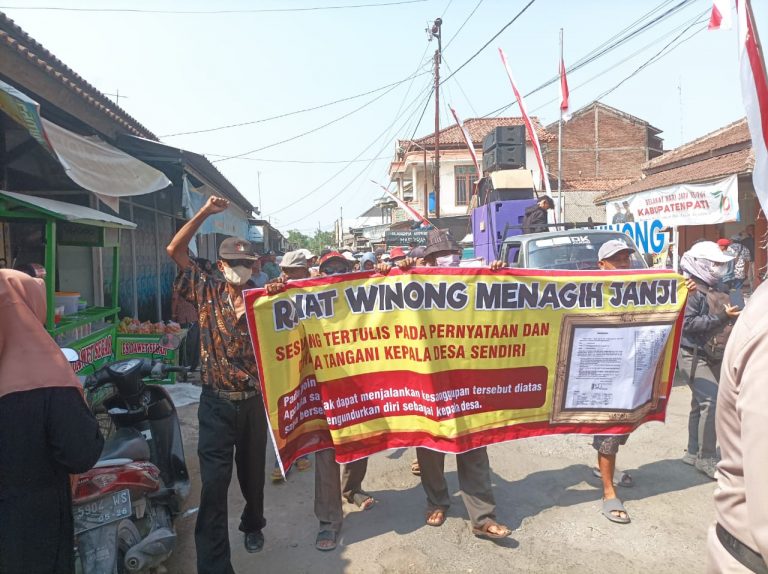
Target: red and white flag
(467,139)
(720,18)
(754,93)
(409,211)
(563,89)
(528,125)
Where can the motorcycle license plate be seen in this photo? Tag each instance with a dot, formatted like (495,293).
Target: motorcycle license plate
(110,508)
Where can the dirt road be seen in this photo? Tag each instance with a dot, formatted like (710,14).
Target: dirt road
(544,490)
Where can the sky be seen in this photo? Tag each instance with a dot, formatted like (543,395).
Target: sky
(190,72)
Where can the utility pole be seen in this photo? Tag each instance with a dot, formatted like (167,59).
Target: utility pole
(435,32)
(258,181)
(341,226)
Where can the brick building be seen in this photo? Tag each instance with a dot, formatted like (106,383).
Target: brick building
(603,149)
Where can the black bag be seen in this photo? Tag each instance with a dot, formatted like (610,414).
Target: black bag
(715,345)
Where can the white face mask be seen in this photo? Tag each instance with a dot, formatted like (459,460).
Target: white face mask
(718,270)
(451,260)
(237,275)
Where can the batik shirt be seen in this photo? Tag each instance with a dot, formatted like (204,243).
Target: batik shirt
(227,361)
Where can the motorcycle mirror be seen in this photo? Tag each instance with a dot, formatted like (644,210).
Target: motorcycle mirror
(70,354)
(169,341)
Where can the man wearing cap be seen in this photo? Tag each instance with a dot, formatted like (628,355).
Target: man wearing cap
(613,254)
(329,487)
(535,219)
(232,421)
(474,467)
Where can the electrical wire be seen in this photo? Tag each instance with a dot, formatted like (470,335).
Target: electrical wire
(308,132)
(334,176)
(209,12)
(301,111)
(604,48)
(261,159)
(365,169)
(452,38)
(484,46)
(687,25)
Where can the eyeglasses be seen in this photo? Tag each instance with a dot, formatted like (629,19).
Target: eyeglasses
(239,262)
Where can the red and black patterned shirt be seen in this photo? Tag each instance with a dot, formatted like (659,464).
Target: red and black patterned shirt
(226,354)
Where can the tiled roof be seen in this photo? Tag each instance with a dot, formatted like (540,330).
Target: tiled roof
(707,146)
(738,162)
(478,128)
(14,38)
(595,184)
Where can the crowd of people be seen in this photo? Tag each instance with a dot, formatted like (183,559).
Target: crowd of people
(728,406)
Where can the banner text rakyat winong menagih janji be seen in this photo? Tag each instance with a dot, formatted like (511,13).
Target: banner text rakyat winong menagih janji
(454,359)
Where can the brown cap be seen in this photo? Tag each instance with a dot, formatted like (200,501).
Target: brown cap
(236,248)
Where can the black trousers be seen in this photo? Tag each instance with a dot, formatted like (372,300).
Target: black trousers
(228,429)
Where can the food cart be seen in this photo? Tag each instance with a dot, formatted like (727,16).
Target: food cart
(91,329)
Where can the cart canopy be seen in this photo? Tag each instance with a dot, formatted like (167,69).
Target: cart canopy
(60,210)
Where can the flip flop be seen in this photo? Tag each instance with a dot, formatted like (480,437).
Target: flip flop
(612,505)
(325,536)
(483,531)
(363,500)
(415,468)
(625,479)
(439,517)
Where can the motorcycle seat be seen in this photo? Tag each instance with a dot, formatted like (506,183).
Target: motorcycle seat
(125,443)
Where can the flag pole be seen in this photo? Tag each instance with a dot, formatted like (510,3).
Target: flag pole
(560,143)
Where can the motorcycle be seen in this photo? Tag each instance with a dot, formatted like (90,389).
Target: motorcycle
(125,506)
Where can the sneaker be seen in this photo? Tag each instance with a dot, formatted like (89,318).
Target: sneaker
(254,541)
(706,466)
(689,458)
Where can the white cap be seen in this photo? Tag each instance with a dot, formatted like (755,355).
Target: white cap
(710,251)
(348,256)
(611,248)
(307,253)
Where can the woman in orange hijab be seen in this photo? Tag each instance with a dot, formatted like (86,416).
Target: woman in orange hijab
(47,433)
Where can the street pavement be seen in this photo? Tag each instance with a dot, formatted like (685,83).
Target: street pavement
(544,491)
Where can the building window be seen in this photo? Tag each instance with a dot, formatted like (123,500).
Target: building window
(465,176)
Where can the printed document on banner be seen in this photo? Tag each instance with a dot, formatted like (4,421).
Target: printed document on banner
(603,375)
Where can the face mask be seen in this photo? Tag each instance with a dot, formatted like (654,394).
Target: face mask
(237,275)
(451,260)
(718,270)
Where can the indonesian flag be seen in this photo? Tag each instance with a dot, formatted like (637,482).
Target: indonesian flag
(720,19)
(563,89)
(528,124)
(467,139)
(409,211)
(754,93)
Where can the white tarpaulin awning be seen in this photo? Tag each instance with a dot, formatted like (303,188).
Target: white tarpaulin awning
(89,161)
(101,168)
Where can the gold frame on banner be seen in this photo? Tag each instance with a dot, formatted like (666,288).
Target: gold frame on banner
(561,415)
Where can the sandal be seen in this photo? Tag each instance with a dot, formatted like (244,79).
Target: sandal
(614,505)
(363,500)
(435,517)
(415,468)
(326,540)
(484,530)
(303,464)
(277,475)
(625,479)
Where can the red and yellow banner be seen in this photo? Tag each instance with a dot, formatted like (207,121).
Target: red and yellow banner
(453,359)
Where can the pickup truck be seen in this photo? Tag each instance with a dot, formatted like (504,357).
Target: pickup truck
(574,249)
